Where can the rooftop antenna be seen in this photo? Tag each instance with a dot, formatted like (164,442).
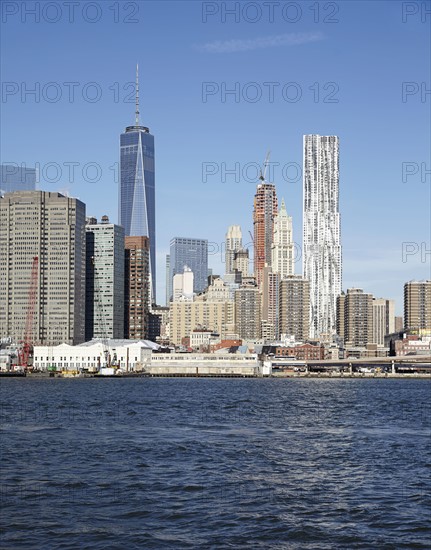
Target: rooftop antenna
(137,96)
(265,166)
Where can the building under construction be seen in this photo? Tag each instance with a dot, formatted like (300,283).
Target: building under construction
(265,209)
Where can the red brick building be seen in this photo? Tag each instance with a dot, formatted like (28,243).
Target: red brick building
(304,352)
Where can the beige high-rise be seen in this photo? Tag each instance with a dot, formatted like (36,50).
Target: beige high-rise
(51,227)
(270,304)
(355,317)
(295,307)
(212,309)
(417,305)
(282,246)
(233,244)
(383,319)
(248,312)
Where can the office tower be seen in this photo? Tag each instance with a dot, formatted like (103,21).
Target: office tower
(183,285)
(282,246)
(270,304)
(233,244)
(105,280)
(51,228)
(265,209)
(241,262)
(355,324)
(16,178)
(417,306)
(192,253)
(321,231)
(295,307)
(137,209)
(248,312)
(383,320)
(167,277)
(137,293)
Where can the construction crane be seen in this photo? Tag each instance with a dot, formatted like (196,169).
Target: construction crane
(27,343)
(262,176)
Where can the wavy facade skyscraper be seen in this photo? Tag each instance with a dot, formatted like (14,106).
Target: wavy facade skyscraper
(321,231)
(137,208)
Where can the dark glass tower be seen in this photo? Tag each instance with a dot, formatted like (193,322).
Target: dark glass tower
(137,186)
(192,253)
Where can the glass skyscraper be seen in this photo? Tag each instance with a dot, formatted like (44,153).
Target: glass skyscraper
(137,209)
(16,178)
(192,253)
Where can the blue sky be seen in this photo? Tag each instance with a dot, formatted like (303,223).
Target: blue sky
(357,54)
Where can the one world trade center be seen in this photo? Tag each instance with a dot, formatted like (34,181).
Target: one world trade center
(137,190)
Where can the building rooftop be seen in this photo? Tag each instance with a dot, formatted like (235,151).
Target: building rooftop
(113,343)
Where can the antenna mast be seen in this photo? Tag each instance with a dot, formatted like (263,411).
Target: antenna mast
(137,96)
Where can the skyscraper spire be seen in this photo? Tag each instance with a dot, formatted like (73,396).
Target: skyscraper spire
(137,96)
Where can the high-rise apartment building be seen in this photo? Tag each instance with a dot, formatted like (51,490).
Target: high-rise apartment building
(383,320)
(294,306)
(213,310)
(137,209)
(218,291)
(265,209)
(16,178)
(417,306)
(399,323)
(248,312)
(321,231)
(137,292)
(50,227)
(105,280)
(270,304)
(233,244)
(167,279)
(282,245)
(241,262)
(355,324)
(192,253)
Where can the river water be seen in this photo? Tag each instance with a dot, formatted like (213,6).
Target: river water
(215,463)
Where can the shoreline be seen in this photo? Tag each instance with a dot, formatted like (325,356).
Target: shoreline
(296,376)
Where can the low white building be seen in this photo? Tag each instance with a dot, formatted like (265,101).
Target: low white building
(127,355)
(203,337)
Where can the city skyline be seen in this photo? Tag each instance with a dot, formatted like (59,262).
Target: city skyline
(370,102)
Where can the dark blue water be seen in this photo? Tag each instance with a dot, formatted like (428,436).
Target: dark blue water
(200,463)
